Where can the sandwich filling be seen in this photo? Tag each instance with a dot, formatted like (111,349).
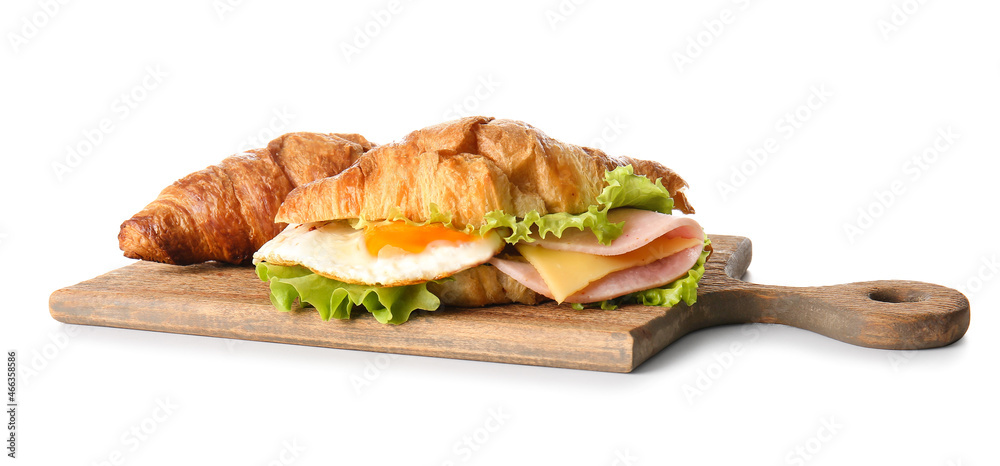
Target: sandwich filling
(653,250)
(381,254)
(626,249)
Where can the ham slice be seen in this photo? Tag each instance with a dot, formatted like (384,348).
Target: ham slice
(641,227)
(613,285)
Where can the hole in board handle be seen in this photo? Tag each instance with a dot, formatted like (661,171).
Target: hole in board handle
(896,296)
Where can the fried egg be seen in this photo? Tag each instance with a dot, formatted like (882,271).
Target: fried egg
(383,254)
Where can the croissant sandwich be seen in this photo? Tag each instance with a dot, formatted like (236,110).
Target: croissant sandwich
(482,211)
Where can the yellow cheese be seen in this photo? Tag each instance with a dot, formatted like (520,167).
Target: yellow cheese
(566,272)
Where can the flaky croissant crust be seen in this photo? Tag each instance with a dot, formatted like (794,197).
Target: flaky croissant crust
(226,212)
(468,167)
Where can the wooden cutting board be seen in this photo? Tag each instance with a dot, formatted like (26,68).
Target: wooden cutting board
(231,302)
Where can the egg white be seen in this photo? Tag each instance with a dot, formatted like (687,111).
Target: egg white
(336,250)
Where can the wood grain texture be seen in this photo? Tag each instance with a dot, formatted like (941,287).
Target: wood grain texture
(229,301)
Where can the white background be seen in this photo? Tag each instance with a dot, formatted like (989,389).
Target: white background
(621,75)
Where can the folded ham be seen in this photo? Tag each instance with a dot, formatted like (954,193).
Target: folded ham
(640,229)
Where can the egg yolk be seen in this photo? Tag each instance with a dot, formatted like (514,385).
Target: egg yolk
(410,238)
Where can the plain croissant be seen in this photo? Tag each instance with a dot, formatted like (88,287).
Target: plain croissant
(226,212)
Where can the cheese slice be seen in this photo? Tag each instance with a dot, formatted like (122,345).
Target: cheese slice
(566,272)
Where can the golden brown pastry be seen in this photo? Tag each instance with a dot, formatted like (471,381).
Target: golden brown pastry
(226,212)
(468,167)
(482,286)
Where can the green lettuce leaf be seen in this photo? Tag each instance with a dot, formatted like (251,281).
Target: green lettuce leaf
(434,215)
(683,289)
(624,189)
(594,219)
(335,299)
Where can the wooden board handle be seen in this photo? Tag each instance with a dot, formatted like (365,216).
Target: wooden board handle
(888,314)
